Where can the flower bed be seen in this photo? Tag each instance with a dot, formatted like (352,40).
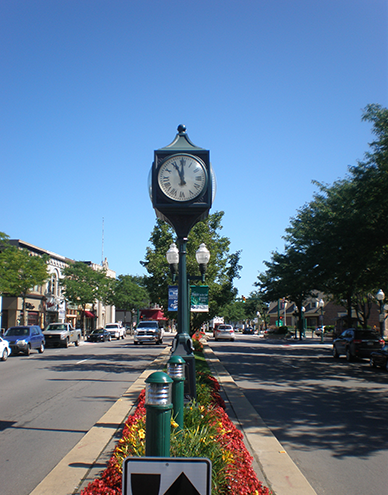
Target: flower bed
(208,432)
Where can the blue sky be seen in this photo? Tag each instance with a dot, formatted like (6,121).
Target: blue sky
(90,88)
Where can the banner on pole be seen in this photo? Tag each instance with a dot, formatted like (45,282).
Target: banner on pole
(199,298)
(172,298)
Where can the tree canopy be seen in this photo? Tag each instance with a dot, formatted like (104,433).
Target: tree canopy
(222,270)
(20,271)
(338,243)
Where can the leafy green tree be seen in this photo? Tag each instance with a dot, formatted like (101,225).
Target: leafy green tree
(222,270)
(20,271)
(82,285)
(129,293)
(290,275)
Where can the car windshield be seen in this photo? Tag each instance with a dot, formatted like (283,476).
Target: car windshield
(56,327)
(111,326)
(148,324)
(17,331)
(100,330)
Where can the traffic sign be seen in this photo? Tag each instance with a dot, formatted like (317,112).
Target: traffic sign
(167,476)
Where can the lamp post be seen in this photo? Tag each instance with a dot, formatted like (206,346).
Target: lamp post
(182,345)
(303,309)
(380,297)
(321,304)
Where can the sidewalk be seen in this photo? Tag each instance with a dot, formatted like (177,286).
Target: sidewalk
(88,458)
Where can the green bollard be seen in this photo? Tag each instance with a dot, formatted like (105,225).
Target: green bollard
(158,414)
(176,371)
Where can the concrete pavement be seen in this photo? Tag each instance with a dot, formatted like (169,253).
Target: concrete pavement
(88,458)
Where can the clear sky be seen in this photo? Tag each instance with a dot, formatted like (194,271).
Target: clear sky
(90,88)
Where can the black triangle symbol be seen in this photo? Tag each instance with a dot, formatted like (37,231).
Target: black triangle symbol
(182,486)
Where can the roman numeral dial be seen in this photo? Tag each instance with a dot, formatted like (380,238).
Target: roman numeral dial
(182,177)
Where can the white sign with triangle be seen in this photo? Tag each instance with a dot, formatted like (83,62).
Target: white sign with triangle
(167,476)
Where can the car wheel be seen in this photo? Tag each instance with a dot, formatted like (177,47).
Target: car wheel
(4,357)
(41,349)
(67,343)
(372,363)
(77,342)
(28,350)
(349,356)
(335,352)
(386,365)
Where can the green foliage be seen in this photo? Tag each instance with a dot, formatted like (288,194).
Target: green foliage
(82,285)
(129,293)
(20,271)
(337,243)
(222,270)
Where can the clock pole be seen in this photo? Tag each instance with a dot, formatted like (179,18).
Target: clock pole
(168,189)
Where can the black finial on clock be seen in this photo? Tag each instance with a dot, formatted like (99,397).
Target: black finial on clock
(181,129)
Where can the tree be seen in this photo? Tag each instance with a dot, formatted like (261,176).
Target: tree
(129,293)
(222,269)
(290,275)
(82,285)
(20,271)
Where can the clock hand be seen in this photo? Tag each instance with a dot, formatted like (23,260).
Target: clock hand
(182,173)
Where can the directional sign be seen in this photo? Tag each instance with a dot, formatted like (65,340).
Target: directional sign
(167,476)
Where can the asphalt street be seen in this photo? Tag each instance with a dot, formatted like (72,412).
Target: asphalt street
(50,401)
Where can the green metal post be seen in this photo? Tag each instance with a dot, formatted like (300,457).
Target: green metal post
(176,371)
(158,414)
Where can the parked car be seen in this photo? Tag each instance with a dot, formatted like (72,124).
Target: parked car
(116,330)
(25,338)
(224,332)
(148,331)
(248,331)
(357,343)
(5,349)
(379,358)
(99,335)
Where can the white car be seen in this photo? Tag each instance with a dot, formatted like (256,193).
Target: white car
(116,330)
(148,331)
(224,332)
(5,349)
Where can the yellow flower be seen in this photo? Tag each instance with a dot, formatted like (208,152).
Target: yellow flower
(141,434)
(174,424)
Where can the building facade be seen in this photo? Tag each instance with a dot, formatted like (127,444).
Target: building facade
(46,304)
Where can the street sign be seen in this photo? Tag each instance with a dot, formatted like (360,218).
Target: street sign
(167,476)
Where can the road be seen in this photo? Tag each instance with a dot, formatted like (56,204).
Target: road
(50,400)
(331,416)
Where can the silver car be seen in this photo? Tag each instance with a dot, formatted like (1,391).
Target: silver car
(224,332)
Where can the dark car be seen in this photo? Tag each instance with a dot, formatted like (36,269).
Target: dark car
(355,343)
(248,331)
(380,358)
(99,335)
(25,338)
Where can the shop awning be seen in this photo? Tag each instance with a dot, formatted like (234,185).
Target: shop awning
(89,314)
(152,314)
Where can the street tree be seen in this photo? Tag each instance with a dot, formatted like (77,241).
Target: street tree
(289,275)
(129,294)
(222,270)
(20,271)
(82,285)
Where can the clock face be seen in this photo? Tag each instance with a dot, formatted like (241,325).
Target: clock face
(182,178)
